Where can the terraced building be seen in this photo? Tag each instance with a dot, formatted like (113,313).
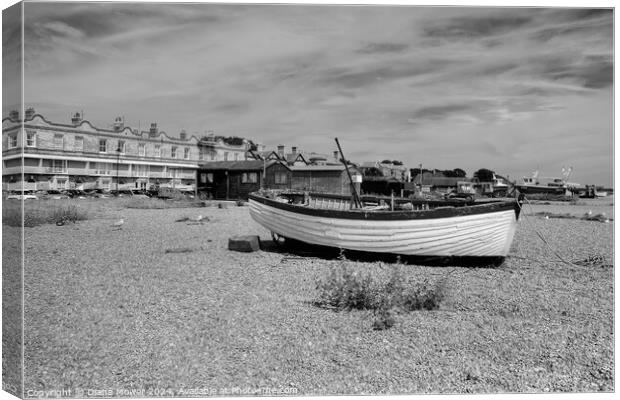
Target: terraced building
(38,154)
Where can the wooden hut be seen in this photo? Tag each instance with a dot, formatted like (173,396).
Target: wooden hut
(230,179)
(311,178)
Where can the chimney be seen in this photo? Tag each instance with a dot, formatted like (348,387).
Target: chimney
(153,130)
(336,158)
(29,113)
(76,119)
(119,124)
(14,115)
(183,134)
(281,150)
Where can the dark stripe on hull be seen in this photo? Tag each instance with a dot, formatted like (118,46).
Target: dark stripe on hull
(540,190)
(331,253)
(445,212)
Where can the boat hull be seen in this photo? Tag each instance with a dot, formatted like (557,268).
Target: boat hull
(478,231)
(532,189)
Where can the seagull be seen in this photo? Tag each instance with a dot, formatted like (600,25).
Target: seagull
(198,219)
(118,224)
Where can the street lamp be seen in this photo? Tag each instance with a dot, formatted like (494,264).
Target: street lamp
(118,160)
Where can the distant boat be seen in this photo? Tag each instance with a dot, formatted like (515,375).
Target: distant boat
(551,185)
(591,192)
(600,193)
(479,231)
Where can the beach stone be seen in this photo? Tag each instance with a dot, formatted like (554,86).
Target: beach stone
(246,244)
(222,205)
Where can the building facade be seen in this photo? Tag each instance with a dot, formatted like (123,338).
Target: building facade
(38,154)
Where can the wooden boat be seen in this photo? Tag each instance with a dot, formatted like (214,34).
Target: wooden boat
(474,230)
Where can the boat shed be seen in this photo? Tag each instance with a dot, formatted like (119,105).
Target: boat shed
(230,179)
(311,178)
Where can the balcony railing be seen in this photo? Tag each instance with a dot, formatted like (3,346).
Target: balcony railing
(111,172)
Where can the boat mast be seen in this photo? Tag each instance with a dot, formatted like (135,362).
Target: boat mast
(356,199)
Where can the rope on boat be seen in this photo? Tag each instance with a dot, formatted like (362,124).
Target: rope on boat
(540,235)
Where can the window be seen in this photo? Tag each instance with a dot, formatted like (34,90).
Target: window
(78,143)
(225,156)
(102,168)
(280,177)
(141,149)
(59,141)
(59,166)
(249,177)
(201,154)
(236,156)
(103,146)
(121,146)
(31,137)
(157,150)
(141,170)
(12,141)
(186,153)
(173,152)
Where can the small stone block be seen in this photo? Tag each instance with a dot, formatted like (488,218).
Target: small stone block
(222,205)
(246,244)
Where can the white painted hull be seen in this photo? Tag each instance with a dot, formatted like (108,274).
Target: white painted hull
(478,235)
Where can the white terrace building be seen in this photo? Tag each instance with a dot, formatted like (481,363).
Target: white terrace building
(79,155)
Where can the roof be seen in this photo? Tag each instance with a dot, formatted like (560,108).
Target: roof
(335,167)
(439,180)
(246,165)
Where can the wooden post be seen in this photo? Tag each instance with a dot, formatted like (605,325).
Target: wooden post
(356,198)
(196,184)
(227,185)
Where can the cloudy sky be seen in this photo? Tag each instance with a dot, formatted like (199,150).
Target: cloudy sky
(510,89)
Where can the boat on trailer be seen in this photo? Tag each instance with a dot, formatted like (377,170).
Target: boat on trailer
(450,231)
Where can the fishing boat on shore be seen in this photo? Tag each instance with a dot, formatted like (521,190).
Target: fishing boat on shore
(464,231)
(549,185)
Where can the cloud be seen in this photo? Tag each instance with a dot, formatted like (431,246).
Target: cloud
(380,48)
(471,27)
(393,82)
(440,112)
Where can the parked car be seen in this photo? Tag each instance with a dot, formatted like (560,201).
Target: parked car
(98,193)
(122,193)
(55,195)
(19,195)
(75,193)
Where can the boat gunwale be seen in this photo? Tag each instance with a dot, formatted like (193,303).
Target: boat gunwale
(387,215)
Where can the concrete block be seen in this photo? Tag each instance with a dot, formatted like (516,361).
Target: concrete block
(246,244)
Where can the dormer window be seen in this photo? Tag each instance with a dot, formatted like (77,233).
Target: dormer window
(31,137)
(12,141)
(59,142)
(78,143)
